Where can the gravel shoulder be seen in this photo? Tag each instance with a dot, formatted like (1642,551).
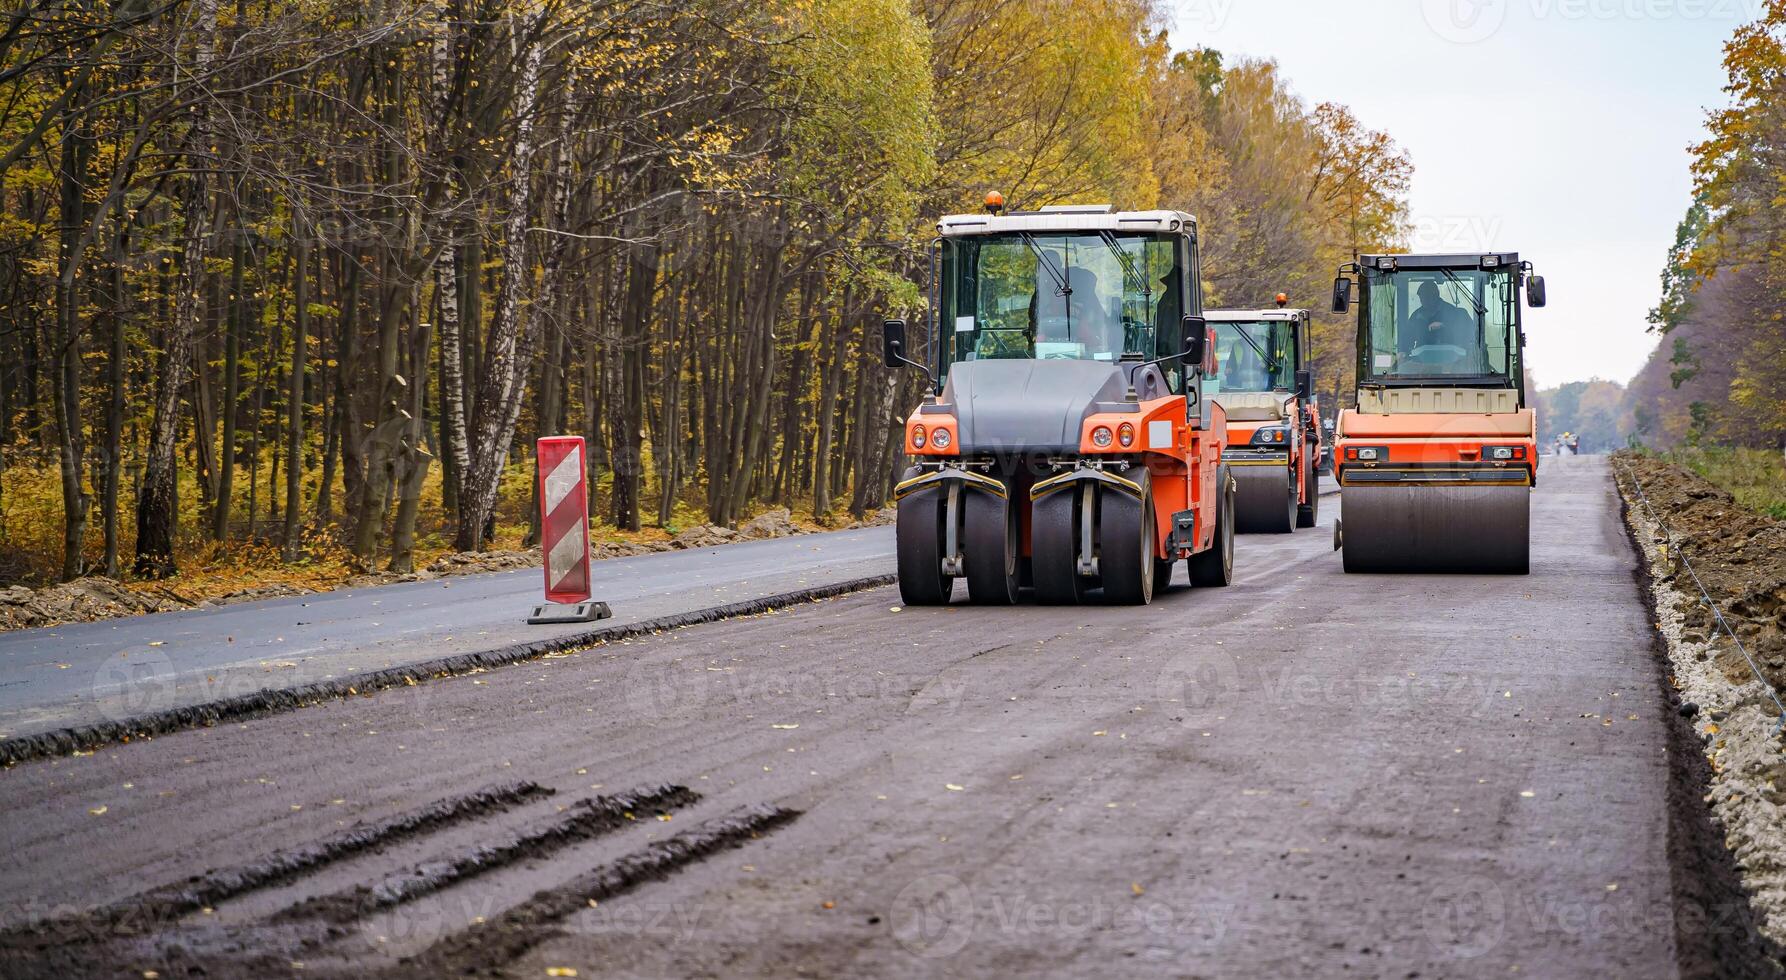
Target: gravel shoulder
(1679,520)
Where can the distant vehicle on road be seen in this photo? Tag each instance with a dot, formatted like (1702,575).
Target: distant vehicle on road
(1274,431)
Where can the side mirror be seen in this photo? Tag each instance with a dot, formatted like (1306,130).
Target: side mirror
(1535,291)
(1305,385)
(1196,339)
(893,343)
(1342,294)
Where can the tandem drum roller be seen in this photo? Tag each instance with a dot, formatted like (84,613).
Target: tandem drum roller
(1427,528)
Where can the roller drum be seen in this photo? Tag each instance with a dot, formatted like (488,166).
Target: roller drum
(1265,501)
(1484,530)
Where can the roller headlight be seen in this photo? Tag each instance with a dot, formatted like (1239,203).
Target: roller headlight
(1269,436)
(918,437)
(1503,454)
(940,438)
(1101,437)
(1125,434)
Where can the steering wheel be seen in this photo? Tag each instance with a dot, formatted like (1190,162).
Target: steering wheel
(1437,354)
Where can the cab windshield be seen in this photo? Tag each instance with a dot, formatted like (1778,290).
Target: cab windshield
(1453,325)
(1257,356)
(1081,296)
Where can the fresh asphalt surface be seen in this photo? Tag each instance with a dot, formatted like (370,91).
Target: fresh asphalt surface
(78,674)
(1306,774)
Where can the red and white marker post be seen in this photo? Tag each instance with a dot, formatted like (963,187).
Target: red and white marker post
(564,534)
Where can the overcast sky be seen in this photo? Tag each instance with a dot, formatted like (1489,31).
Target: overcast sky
(1555,128)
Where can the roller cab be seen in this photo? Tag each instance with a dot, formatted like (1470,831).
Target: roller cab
(1263,383)
(1437,461)
(1065,445)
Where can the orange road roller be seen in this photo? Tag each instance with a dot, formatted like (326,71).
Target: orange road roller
(1065,443)
(1437,462)
(1274,424)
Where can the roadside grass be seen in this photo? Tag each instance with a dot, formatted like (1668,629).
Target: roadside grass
(1756,477)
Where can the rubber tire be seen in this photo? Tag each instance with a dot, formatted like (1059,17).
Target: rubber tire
(1125,544)
(1162,575)
(1215,567)
(1307,515)
(918,536)
(989,548)
(1054,547)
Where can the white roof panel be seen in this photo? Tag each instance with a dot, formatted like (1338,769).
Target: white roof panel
(1245,316)
(1077,218)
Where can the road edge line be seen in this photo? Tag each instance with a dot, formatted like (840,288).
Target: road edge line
(273,701)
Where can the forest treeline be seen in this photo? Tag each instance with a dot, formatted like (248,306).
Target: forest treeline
(1719,373)
(308,271)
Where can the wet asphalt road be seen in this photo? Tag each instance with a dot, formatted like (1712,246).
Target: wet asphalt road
(112,670)
(1307,774)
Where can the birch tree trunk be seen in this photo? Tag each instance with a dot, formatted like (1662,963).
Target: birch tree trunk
(510,350)
(155,513)
(294,433)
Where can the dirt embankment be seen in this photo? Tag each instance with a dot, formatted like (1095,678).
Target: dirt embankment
(1738,555)
(1679,520)
(96,597)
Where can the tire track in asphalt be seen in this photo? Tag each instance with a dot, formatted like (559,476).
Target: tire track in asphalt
(487,946)
(152,911)
(586,820)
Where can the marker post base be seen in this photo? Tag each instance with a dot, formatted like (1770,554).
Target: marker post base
(568,612)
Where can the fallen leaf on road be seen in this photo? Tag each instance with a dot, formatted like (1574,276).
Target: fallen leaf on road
(894,609)
(786,728)
(157,643)
(98,811)
(1528,794)
(560,971)
(953,787)
(63,666)
(829,905)
(1136,888)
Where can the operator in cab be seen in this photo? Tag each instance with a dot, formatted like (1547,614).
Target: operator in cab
(1436,323)
(1243,369)
(1078,317)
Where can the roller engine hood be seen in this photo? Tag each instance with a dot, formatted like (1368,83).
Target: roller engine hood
(1017,406)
